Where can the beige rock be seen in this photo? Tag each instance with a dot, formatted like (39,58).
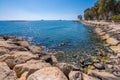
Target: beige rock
(75,75)
(23,76)
(5,57)
(19,57)
(65,67)
(115,48)
(35,49)
(4,51)
(23,43)
(48,73)
(103,75)
(112,41)
(7,44)
(54,60)
(106,36)
(30,66)
(98,30)
(87,77)
(6,73)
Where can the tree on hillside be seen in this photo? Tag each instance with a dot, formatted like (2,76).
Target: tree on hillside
(80,17)
(103,9)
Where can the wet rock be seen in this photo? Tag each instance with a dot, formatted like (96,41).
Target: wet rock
(112,41)
(48,73)
(59,53)
(6,73)
(99,66)
(30,66)
(75,75)
(88,61)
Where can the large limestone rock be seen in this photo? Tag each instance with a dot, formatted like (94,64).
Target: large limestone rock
(75,75)
(65,67)
(112,41)
(87,77)
(23,43)
(115,48)
(102,75)
(6,73)
(106,36)
(5,57)
(35,49)
(19,57)
(4,51)
(30,66)
(48,73)
(9,45)
(23,76)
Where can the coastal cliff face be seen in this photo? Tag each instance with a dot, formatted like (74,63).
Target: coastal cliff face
(19,60)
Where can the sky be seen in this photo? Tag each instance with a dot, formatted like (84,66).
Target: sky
(43,9)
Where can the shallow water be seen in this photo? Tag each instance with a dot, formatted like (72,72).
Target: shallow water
(72,37)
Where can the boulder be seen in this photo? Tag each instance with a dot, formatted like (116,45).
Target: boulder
(48,73)
(65,67)
(112,41)
(87,77)
(102,75)
(5,57)
(9,45)
(30,66)
(116,49)
(3,51)
(35,49)
(106,36)
(23,76)
(98,30)
(19,57)
(99,66)
(6,73)
(75,75)
(23,43)
(2,38)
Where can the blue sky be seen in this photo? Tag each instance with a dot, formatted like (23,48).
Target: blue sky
(43,9)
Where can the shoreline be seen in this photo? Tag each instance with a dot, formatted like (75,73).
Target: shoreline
(109,32)
(26,62)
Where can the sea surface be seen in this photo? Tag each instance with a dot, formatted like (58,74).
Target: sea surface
(74,38)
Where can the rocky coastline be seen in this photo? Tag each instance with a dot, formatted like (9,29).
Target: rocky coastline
(19,60)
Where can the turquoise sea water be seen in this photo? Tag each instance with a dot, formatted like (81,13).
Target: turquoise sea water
(72,37)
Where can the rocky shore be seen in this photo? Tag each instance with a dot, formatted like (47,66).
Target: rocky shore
(19,60)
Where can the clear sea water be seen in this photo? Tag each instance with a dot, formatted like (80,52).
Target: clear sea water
(71,37)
